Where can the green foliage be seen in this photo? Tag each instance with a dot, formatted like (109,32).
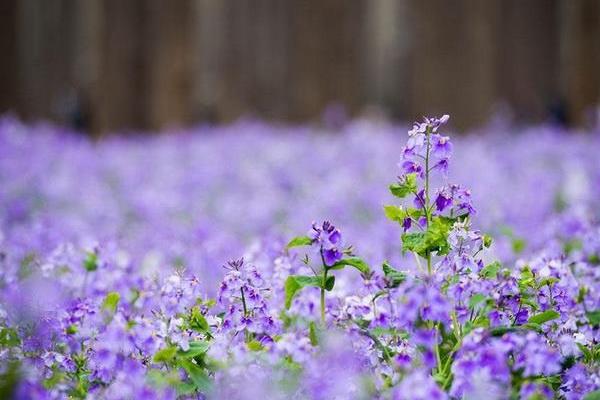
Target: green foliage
(355,262)
(197,348)
(111,301)
(405,187)
(593,317)
(165,355)
(394,277)
(197,375)
(487,241)
(295,283)
(299,241)
(595,395)
(476,299)
(433,240)
(91,262)
(544,317)
(490,271)
(197,322)
(399,213)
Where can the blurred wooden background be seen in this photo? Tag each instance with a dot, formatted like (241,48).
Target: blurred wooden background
(108,65)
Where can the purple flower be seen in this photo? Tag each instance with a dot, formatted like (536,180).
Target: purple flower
(443,200)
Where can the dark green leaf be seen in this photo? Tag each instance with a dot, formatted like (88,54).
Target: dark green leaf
(355,262)
(394,277)
(544,317)
(91,262)
(197,375)
(299,241)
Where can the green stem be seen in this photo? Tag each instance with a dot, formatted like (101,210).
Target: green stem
(323,282)
(426,207)
(246,333)
(244,302)
(323,296)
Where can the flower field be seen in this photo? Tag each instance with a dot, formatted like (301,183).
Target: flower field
(251,261)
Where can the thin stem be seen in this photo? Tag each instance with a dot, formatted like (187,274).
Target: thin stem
(427,206)
(246,332)
(323,282)
(244,302)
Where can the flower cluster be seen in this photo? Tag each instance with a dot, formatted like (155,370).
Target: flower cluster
(110,286)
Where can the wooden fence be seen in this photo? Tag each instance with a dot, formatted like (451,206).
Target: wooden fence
(148,64)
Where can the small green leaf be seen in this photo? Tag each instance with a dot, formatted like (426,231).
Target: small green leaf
(593,317)
(518,245)
(71,329)
(91,262)
(476,299)
(544,317)
(165,355)
(595,395)
(197,348)
(394,213)
(329,283)
(197,321)
(394,276)
(487,241)
(254,345)
(299,241)
(490,271)
(295,283)
(197,375)
(405,187)
(111,301)
(355,262)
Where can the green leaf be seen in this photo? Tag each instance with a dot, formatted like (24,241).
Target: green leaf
(544,317)
(197,348)
(595,395)
(254,345)
(299,241)
(111,301)
(165,355)
(432,240)
(476,299)
(197,321)
(394,276)
(593,317)
(91,262)
(394,213)
(487,241)
(355,262)
(405,187)
(197,375)
(295,283)
(490,271)
(518,245)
